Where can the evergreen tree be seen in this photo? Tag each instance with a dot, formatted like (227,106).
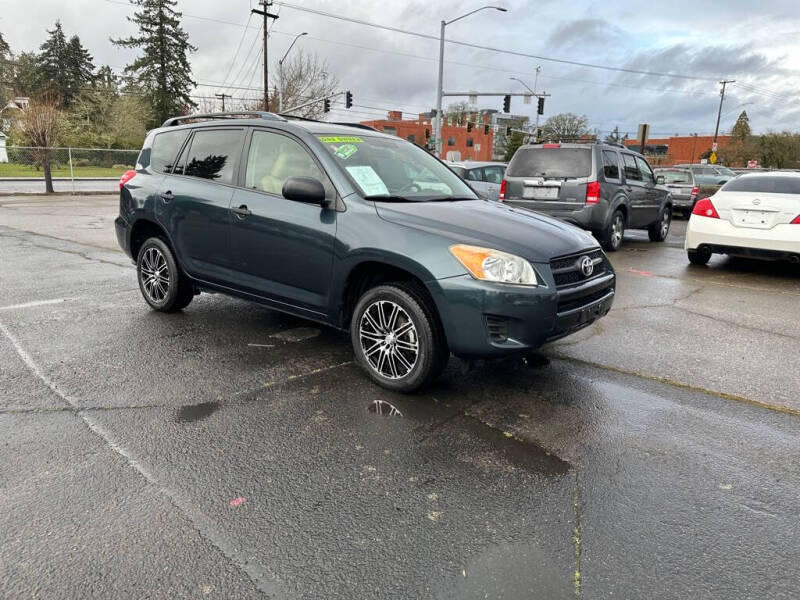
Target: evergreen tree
(741,129)
(162,71)
(64,67)
(6,70)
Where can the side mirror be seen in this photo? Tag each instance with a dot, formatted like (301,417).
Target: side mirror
(304,189)
(660,179)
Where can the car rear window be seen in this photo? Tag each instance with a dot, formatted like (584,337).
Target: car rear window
(765,184)
(675,176)
(551,162)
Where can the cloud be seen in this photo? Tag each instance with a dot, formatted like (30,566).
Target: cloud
(582,32)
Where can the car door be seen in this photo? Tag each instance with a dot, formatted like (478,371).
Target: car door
(636,191)
(282,249)
(493,175)
(195,201)
(653,193)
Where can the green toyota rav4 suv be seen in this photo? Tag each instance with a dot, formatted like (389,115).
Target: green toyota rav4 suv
(358,230)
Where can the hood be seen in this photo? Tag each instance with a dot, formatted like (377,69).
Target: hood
(534,236)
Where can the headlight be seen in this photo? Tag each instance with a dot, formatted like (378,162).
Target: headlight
(494,265)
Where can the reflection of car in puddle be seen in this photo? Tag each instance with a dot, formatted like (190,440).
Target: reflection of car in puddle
(386,409)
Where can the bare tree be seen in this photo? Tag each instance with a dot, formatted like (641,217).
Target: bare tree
(305,77)
(565,127)
(40,126)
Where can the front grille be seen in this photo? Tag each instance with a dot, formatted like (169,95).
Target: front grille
(497,327)
(567,305)
(567,271)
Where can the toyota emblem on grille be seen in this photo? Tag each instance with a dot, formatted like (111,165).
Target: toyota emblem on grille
(586,265)
(756,201)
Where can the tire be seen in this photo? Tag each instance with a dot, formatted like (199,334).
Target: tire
(611,237)
(163,285)
(699,257)
(658,231)
(411,359)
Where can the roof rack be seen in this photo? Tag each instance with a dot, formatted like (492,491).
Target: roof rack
(224,115)
(357,125)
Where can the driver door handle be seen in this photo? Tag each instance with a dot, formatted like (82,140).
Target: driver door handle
(166,196)
(242,211)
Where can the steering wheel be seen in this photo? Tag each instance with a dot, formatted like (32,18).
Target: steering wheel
(410,187)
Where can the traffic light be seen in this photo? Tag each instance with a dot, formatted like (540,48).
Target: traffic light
(427,133)
(508,131)
(540,109)
(348,99)
(469,126)
(485,130)
(326,105)
(506,104)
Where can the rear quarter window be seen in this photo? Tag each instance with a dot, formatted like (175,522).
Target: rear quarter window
(564,163)
(165,149)
(610,164)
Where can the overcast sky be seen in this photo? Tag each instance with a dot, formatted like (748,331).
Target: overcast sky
(755,43)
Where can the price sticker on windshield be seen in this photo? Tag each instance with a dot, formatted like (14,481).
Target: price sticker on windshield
(340,140)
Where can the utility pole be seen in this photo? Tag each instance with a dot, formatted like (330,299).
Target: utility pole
(266,4)
(535,81)
(223,96)
(694,148)
(719,112)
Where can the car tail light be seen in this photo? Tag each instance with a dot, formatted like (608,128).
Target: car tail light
(593,192)
(694,191)
(551,145)
(126,177)
(796,220)
(503,190)
(705,208)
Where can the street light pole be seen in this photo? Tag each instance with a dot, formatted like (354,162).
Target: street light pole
(439,91)
(280,70)
(535,81)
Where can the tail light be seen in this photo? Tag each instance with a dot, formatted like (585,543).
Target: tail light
(705,208)
(694,191)
(126,177)
(796,220)
(593,192)
(503,190)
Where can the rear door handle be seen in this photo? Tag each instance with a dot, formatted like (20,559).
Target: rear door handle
(242,211)
(166,196)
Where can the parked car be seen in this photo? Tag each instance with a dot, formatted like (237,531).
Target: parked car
(358,230)
(756,215)
(600,187)
(483,177)
(709,174)
(681,186)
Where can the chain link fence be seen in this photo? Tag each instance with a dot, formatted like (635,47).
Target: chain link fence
(72,168)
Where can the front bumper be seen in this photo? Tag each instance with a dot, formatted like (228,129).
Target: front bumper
(483,319)
(720,235)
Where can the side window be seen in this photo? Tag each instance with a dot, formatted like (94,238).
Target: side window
(273,158)
(610,164)
(644,169)
(494,173)
(214,154)
(474,175)
(165,149)
(631,170)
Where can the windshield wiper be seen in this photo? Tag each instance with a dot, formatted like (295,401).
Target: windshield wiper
(390,198)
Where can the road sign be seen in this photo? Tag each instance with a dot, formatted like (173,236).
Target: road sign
(713,158)
(751,164)
(714,147)
(642,134)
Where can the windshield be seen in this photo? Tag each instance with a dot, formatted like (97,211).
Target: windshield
(390,169)
(766,184)
(675,176)
(551,162)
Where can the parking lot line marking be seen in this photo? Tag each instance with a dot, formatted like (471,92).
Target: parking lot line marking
(36,303)
(269,384)
(724,395)
(204,525)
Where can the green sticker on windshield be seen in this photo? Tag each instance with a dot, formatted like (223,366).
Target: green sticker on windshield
(345,151)
(340,140)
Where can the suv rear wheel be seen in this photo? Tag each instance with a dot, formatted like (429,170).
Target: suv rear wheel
(659,230)
(164,287)
(397,338)
(611,238)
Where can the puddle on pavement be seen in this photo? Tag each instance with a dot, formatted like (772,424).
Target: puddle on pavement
(298,334)
(520,453)
(383,408)
(196,412)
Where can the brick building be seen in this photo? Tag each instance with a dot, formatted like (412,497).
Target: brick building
(680,149)
(457,142)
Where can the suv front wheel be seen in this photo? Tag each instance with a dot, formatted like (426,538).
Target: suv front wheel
(164,287)
(397,338)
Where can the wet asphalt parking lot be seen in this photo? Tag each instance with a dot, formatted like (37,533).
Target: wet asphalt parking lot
(232,451)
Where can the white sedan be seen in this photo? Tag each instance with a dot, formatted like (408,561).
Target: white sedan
(755,215)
